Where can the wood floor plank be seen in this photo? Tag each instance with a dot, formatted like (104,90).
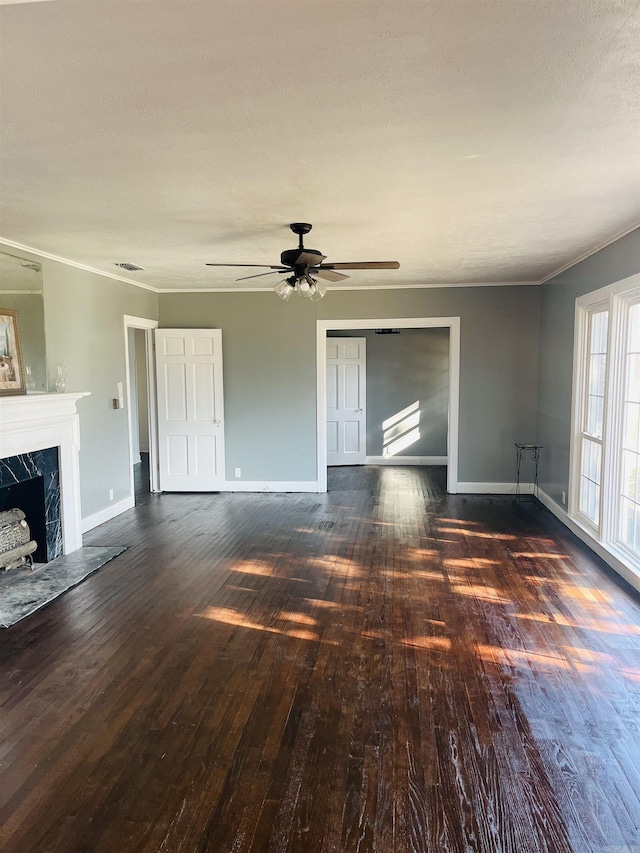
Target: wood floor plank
(381,669)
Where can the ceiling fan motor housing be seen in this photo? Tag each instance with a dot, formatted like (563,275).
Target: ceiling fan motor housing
(289,257)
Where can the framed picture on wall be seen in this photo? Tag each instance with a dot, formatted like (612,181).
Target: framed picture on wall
(11,367)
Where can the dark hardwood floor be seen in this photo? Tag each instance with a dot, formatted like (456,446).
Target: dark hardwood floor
(381,668)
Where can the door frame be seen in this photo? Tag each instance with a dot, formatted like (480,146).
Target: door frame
(148,326)
(451,323)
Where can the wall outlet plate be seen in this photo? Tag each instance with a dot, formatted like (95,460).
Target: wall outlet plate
(238,472)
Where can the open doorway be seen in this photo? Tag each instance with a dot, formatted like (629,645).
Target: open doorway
(141,406)
(139,411)
(405,399)
(397,430)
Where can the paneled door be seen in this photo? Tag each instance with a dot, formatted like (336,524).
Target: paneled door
(190,410)
(346,401)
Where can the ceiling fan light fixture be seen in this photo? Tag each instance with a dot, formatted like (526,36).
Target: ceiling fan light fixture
(284,289)
(310,288)
(318,292)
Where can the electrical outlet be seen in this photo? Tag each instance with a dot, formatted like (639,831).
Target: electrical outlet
(238,472)
(110,494)
(564,497)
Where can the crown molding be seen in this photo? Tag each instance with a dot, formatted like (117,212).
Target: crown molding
(50,257)
(340,288)
(587,254)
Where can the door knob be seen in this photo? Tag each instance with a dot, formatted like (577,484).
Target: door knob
(359,411)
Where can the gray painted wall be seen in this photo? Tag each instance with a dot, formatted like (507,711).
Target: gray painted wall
(558,298)
(269,378)
(269,350)
(85,332)
(402,369)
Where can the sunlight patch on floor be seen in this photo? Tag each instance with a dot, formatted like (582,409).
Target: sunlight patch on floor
(228,616)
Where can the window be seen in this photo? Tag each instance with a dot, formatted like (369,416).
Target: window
(593,416)
(629,496)
(605,451)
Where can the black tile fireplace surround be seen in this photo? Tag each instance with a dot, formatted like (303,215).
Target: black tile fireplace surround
(31,482)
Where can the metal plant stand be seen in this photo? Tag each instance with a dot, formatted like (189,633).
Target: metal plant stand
(527,451)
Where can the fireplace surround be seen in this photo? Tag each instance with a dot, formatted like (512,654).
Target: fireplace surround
(33,423)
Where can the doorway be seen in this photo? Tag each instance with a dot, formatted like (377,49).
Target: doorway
(141,405)
(451,324)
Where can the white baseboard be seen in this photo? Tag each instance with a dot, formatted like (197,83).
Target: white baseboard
(270,486)
(406,460)
(493,488)
(629,574)
(554,507)
(107,514)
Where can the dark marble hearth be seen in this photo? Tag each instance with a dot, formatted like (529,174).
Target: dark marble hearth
(31,482)
(23,591)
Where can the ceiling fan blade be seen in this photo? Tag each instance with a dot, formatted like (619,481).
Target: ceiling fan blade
(328,275)
(363,265)
(257,275)
(309,258)
(266,266)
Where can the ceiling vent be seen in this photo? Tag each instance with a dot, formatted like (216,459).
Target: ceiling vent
(130,267)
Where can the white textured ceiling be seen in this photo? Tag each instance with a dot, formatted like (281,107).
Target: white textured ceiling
(484,141)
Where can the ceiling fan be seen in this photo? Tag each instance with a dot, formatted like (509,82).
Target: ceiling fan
(306,266)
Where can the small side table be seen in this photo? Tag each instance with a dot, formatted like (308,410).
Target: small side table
(527,451)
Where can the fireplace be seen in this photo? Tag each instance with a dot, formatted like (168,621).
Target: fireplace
(40,470)
(31,482)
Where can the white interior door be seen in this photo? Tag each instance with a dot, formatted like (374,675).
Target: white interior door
(346,401)
(190,410)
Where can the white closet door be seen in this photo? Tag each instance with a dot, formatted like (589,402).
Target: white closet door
(190,410)
(346,401)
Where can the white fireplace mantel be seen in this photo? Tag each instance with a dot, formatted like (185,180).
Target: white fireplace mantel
(36,421)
